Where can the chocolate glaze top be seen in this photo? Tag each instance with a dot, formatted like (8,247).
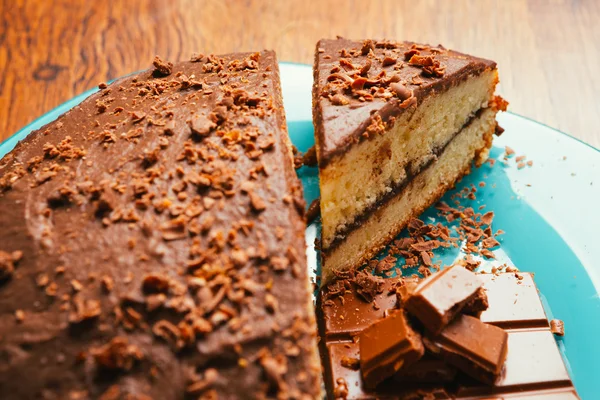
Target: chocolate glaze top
(360,87)
(152,243)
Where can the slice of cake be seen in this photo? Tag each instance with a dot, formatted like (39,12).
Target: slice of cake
(396,125)
(152,243)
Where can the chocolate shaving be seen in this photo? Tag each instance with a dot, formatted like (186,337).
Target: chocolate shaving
(118,354)
(201,126)
(8,262)
(339,100)
(367,47)
(387,61)
(257,202)
(275,369)
(401,91)
(557,327)
(310,157)
(341,389)
(200,386)
(350,363)
(367,285)
(169,333)
(84,310)
(155,283)
(163,68)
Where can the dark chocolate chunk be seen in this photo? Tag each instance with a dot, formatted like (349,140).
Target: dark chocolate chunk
(201,126)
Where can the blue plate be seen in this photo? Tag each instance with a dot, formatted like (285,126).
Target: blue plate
(549,212)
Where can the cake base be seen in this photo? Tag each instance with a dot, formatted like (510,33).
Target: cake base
(472,143)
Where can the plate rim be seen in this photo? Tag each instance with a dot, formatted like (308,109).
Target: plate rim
(85,94)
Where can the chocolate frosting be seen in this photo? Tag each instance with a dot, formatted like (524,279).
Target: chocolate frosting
(152,243)
(360,87)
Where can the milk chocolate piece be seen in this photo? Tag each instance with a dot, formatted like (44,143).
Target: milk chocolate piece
(387,346)
(476,348)
(441,296)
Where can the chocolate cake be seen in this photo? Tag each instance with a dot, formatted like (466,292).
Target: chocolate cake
(396,125)
(152,243)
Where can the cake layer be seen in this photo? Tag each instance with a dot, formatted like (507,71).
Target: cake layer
(354,182)
(152,243)
(418,193)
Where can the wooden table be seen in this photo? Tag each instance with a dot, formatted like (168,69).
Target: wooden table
(548,50)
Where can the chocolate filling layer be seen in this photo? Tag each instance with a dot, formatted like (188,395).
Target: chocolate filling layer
(398,187)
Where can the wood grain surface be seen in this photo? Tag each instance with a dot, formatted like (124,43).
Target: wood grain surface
(548,51)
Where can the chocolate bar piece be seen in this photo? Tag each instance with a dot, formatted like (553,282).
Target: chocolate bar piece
(534,361)
(387,346)
(533,369)
(441,296)
(476,348)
